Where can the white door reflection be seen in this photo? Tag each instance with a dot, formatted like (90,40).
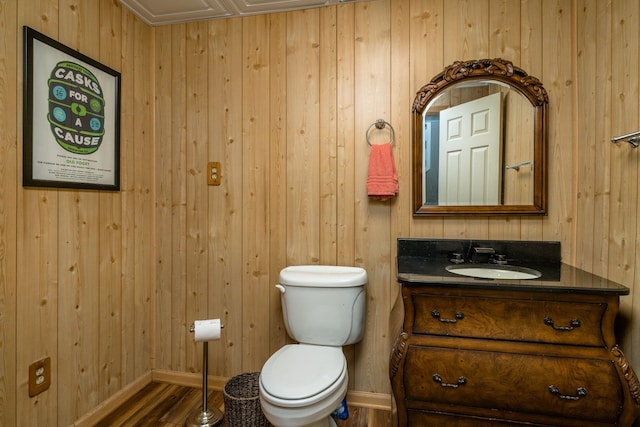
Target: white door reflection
(471,153)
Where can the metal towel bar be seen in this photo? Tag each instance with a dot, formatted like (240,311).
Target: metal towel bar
(632,138)
(380,124)
(517,166)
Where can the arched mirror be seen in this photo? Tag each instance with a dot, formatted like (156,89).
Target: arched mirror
(480,141)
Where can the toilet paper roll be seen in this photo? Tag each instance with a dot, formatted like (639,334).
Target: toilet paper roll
(206,330)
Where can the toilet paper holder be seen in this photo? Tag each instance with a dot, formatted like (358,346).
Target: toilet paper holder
(204,417)
(192,328)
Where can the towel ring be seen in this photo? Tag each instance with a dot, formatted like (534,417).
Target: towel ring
(380,124)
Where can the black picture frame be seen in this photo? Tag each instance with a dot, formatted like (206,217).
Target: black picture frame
(71,118)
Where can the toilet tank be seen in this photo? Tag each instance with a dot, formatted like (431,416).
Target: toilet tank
(323,304)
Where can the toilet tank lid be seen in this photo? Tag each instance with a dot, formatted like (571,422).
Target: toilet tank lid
(323,276)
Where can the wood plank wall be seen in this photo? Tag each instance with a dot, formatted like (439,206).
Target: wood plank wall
(107,284)
(78,267)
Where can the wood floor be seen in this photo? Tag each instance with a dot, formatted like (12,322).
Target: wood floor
(163,404)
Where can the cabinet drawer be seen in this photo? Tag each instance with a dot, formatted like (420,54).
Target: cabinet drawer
(510,319)
(419,418)
(586,389)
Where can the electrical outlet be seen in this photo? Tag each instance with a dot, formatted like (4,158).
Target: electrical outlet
(213,173)
(39,376)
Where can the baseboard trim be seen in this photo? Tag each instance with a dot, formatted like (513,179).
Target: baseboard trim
(106,407)
(368,400)
(360,399)
(187,379)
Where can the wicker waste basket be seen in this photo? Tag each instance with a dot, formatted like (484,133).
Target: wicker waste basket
(242,402)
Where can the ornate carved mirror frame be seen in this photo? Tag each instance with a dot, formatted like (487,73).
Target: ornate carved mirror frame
(485,70)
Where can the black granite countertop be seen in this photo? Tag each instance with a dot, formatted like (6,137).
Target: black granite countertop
(424,261)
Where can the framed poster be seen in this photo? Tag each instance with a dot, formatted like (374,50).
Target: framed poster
(71,118)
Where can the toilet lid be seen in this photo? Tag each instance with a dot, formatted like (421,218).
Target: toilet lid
(299,371)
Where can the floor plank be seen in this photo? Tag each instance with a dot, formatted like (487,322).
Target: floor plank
(169,405)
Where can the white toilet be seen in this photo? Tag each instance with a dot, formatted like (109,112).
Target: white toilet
(324,308)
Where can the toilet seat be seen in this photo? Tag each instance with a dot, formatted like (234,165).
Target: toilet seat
(301,374)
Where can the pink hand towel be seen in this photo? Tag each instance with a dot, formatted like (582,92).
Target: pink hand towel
(382,182)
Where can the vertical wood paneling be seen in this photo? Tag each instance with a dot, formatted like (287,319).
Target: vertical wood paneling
(164,201)
(37,294)
(467,30)
(8,207)
(255,281)
(78,247)
(345,149)
(400,117)
(144,200)
(283,102)
(346,135)
(466,37)
(505,30)
(68,246)
(625,113)
(372,228)
(426,57)
(176,145)
(37,259)
(278,171)
(303,133)
(505,42)
(586,33)
(197,121)
(128,199)
(531,31)
(110,238)
(327,128)
(558,76)
(600,137)
(623,161)
(594,91)
(225,202)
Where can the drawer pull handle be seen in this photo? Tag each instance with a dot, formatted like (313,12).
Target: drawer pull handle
(436,315)
(575,323)
(581,391)
(461,381)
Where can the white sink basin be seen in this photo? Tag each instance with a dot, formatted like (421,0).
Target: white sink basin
(506,272)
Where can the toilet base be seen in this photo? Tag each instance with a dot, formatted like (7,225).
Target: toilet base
(300,417)
(325,422)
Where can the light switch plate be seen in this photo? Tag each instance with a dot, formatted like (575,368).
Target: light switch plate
(213,173)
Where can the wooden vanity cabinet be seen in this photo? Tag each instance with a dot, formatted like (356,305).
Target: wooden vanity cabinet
(494,357)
